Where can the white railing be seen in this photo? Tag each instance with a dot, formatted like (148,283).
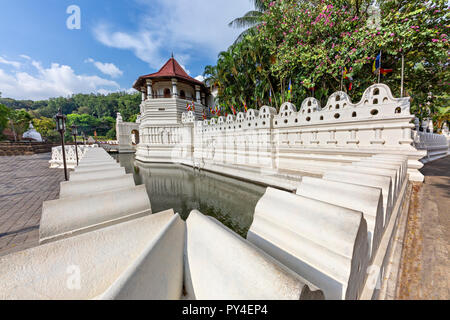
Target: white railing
(71,160)
(436,145)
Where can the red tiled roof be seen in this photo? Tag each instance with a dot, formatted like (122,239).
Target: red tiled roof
(170,69)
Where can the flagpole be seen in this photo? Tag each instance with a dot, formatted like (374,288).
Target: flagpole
(403,68)
(379,69)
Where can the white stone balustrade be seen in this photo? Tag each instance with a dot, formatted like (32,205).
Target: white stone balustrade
(436,145)
(71,160)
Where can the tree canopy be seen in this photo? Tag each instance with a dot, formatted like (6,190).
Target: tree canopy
(311,44)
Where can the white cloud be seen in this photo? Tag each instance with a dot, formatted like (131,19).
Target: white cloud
(24,56)
(56,80)
(109,69)
(188,28)
(200,78)
(15,64)
(140,43)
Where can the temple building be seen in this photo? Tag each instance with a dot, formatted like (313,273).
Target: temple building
(165,96)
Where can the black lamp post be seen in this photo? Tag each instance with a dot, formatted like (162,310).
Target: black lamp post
(61,127)
(75,133)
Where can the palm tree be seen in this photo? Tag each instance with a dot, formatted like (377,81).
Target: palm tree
(250,20)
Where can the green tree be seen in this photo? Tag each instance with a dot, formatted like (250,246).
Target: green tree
(4,113)
(46,127)
(249,20)
(19,121)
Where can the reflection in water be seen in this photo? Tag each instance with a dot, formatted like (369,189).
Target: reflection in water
(230,201)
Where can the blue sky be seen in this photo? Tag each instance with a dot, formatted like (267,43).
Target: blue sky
(118,41)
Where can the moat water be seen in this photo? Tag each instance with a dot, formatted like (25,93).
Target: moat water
(229,200)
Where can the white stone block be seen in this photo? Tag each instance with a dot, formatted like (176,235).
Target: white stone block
(85,164)
(93,175)
(367,200)
(324,243)
(69,216)
(392,174)
(370,180)
(91,187)
(85,266)
(98,168)
(219,264)
(158,272)
(375,164)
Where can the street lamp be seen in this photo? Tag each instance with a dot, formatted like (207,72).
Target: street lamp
(61,127)
(75,133)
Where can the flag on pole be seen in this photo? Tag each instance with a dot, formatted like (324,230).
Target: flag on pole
(193,106)
(188,106)
(376,64)
(290,91)
(349,77)
(204,114)
(245,107)
(233,109)
(385,71)
(376,67)
(270,96)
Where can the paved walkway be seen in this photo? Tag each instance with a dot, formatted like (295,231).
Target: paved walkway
(425,267)
(25,183)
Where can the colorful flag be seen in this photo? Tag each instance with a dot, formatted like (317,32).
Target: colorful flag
(233,109)
(347,76)
(290,91)
(385,71)
(376,64)
(270,96)
(204,114)
(193,106)
(188,107)
(245,107)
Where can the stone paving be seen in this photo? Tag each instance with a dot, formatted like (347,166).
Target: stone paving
(25,183)
(425,267)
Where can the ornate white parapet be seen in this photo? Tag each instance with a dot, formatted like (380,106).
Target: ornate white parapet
(436,145)
(71,160)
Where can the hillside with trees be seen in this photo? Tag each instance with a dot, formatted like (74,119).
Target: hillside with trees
(94,114)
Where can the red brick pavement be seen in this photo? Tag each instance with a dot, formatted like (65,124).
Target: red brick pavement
(25,183)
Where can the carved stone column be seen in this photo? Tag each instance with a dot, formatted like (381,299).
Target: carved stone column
(143,93)
(149,89)
(197,94)
(174,88)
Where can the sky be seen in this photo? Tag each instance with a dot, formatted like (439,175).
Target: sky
(46,51)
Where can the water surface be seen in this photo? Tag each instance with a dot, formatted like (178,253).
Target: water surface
(229,200)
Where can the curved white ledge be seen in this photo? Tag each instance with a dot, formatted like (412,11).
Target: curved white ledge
(325,244)
(91,187)
(221,265)
(69,216)
(84,266)
(367,200)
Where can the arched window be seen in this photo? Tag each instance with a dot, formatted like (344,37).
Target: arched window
(166,93)
(182,94)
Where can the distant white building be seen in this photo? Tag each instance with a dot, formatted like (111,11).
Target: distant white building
(32,134)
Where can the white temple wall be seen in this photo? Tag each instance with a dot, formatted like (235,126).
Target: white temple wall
(313,139)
